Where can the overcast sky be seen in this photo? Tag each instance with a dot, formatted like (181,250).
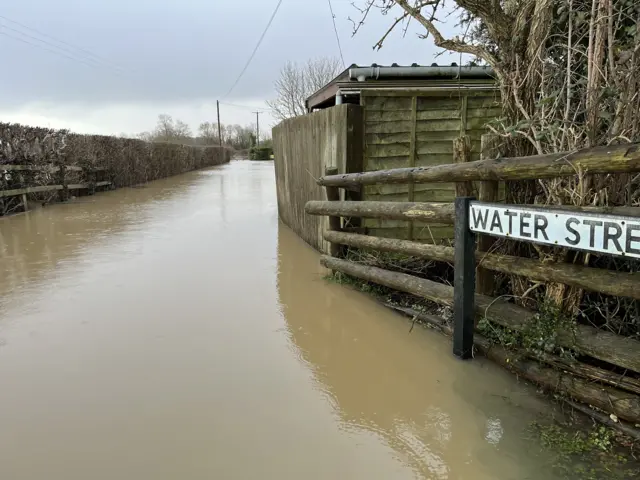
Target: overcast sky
(172,56)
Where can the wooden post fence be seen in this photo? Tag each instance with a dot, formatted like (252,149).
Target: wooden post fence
(333,195)
(487,192)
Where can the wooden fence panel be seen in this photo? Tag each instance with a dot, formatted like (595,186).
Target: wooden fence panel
(417,129)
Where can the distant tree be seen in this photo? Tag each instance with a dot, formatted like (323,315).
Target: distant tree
(170,130)
(239,137)
(297,83)
(182,131)
(164,130)
(208,133)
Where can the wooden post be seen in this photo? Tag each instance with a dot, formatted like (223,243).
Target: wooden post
(487,192)
(462,154)
(412,157)
(463,281)
(333,195)
(25,205)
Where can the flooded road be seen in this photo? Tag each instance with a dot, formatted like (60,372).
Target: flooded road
(177,331)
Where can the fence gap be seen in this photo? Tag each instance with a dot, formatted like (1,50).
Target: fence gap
(463,281)
(487,192)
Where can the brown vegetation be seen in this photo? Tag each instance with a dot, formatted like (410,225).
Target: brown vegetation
(57,157)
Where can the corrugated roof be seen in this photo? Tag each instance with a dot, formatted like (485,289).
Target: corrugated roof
(359,75)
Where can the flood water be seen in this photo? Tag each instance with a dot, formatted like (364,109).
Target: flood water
(177,331)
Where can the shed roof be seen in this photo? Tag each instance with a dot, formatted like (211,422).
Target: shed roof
(356,77)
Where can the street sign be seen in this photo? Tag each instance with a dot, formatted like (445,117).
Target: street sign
(610,234)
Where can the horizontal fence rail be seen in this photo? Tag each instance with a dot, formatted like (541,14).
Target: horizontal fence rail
(432,212)
(46,168)
(609,347)
(594,279)
(50,188)
(613,159)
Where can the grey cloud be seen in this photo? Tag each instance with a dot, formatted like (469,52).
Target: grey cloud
(180,51)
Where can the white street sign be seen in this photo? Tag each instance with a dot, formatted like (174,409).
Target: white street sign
(611,234)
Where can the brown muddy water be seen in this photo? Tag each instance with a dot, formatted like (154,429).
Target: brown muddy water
(177,331)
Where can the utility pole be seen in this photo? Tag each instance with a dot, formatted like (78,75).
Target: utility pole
(257,129)
(219,128)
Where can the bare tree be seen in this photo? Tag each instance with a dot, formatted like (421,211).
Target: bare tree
(208,133)
(297,82)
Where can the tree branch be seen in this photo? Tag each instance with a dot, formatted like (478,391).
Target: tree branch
(448,44)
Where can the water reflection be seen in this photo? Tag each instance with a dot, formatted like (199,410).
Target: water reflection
(447,419)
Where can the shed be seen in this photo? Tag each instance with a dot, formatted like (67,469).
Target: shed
(411,115)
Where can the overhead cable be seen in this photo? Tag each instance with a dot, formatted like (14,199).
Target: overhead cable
(335,29)
(84,52)
(273,15)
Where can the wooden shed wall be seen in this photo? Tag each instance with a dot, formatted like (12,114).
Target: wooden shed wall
(406,129)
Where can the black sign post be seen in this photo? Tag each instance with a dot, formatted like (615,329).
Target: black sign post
(464,281)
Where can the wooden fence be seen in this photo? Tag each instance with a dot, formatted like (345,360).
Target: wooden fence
(303,148)
(416,128)
(612,381)
(14,177)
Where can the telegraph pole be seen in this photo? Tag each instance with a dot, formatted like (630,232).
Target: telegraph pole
(219,128)
(257,128)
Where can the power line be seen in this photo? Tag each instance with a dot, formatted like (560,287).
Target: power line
(65,52)
(87,53)
(273,15)
(241,106)
(335,29)
(48,50)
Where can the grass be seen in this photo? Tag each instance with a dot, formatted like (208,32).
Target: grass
(587,455)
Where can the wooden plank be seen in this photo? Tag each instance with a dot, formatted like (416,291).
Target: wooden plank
(422,160)
(403,188)
(463,115)
(388,138)
(333,195)
(440,195)
(607,159)
(485,102)
(381,163)
(412,157)
(398,115)
(462,154)
(603,345)
(487,192)
(432,212)
(389,103)
(440,89)
(439,104)
(392,150)
(609,282)
(435,159)
(438,136)
(434,113)
(429,234)
(440,147)
(389,127)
